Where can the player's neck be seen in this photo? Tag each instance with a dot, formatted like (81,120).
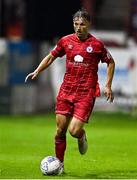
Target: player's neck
(83,38)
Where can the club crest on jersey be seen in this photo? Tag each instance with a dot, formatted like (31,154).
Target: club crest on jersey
(78,58)
(89,49)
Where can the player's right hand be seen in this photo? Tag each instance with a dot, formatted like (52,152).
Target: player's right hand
(109,94)
(32,75)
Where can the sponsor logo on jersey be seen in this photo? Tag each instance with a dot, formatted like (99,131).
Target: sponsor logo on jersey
(70,46)
(78,58)
(89,49)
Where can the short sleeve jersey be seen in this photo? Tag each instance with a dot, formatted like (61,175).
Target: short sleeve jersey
(82,59)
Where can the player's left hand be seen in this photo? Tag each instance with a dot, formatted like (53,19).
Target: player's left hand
(109,94)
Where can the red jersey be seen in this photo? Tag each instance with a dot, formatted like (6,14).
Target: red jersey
(82,59)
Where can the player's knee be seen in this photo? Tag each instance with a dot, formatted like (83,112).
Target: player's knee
(61,132)
(62,125)
(73,132)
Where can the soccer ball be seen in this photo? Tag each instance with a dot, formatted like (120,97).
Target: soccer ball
(51,165)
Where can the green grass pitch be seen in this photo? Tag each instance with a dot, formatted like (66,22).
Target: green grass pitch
(112,153)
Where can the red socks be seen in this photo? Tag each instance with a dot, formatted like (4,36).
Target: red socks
(60,147)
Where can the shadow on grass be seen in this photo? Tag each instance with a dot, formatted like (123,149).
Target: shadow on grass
(131,174)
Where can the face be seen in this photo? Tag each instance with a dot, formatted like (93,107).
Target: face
(81,27)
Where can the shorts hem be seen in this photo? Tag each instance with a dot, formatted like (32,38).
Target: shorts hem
(81,119)
(63,113)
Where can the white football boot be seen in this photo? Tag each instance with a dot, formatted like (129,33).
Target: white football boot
(61,168)
(83,144)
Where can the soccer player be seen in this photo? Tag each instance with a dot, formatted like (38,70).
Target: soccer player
(77,94)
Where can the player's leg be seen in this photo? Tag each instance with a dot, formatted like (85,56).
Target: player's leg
(62,122)
(82,112)
(76,129)
(64,111)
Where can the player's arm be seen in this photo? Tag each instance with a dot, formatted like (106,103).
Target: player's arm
(42,66)
(110,72)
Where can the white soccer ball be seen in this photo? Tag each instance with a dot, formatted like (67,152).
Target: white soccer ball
(50,165)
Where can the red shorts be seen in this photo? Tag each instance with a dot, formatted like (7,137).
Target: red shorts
(81,109)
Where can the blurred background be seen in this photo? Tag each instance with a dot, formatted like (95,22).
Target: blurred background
(29,29)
